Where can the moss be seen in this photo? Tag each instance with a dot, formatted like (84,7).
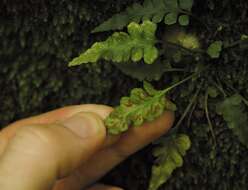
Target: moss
(37,44)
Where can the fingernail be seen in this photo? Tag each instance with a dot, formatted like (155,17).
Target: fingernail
(84,124)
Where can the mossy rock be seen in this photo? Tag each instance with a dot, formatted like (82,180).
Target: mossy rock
(38,39)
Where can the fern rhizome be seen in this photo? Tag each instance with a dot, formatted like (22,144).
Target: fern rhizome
(140,45)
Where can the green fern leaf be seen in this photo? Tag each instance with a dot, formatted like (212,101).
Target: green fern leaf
(233,111)
(142,105)
(183,20)
(215,49)
(169,157)
(138,43)
(154,10)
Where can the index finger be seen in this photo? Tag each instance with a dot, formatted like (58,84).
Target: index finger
(104,160)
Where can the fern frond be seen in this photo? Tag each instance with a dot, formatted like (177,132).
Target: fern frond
(154,10)
(138,43)
(169,157)
(233,111)
(143,105)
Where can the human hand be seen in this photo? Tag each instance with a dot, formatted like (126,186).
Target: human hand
(68,149)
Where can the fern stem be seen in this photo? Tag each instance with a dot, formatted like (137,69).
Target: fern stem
(190,114)
(186,111)
(162,93)
(220,88)
(178,83)
(190,51)
(244,100)
(235,43)
(184,80)
(208,118)
(175,70)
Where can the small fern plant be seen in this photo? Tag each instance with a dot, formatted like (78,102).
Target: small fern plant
(143,104)
(146,104)
(139,44)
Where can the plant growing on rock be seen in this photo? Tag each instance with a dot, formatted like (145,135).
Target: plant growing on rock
(140,54)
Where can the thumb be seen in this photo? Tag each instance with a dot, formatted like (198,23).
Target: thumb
(38,155)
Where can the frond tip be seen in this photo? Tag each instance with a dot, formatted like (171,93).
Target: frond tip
(169,157)
(138,43)
(143,104)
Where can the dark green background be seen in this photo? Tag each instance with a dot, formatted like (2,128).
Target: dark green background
(38,38)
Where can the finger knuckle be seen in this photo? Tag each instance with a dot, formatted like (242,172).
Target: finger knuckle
(38,136)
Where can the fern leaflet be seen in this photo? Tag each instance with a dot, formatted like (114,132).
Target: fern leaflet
(169,157)
(215,49)
(168,11)
(138,43)
(233,111)
(143,105)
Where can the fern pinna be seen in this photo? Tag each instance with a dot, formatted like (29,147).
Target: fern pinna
(169,11)
(234,113)
(138,43)
(143,105)
(169,156)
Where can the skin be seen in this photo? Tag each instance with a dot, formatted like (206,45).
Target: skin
(68,148)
